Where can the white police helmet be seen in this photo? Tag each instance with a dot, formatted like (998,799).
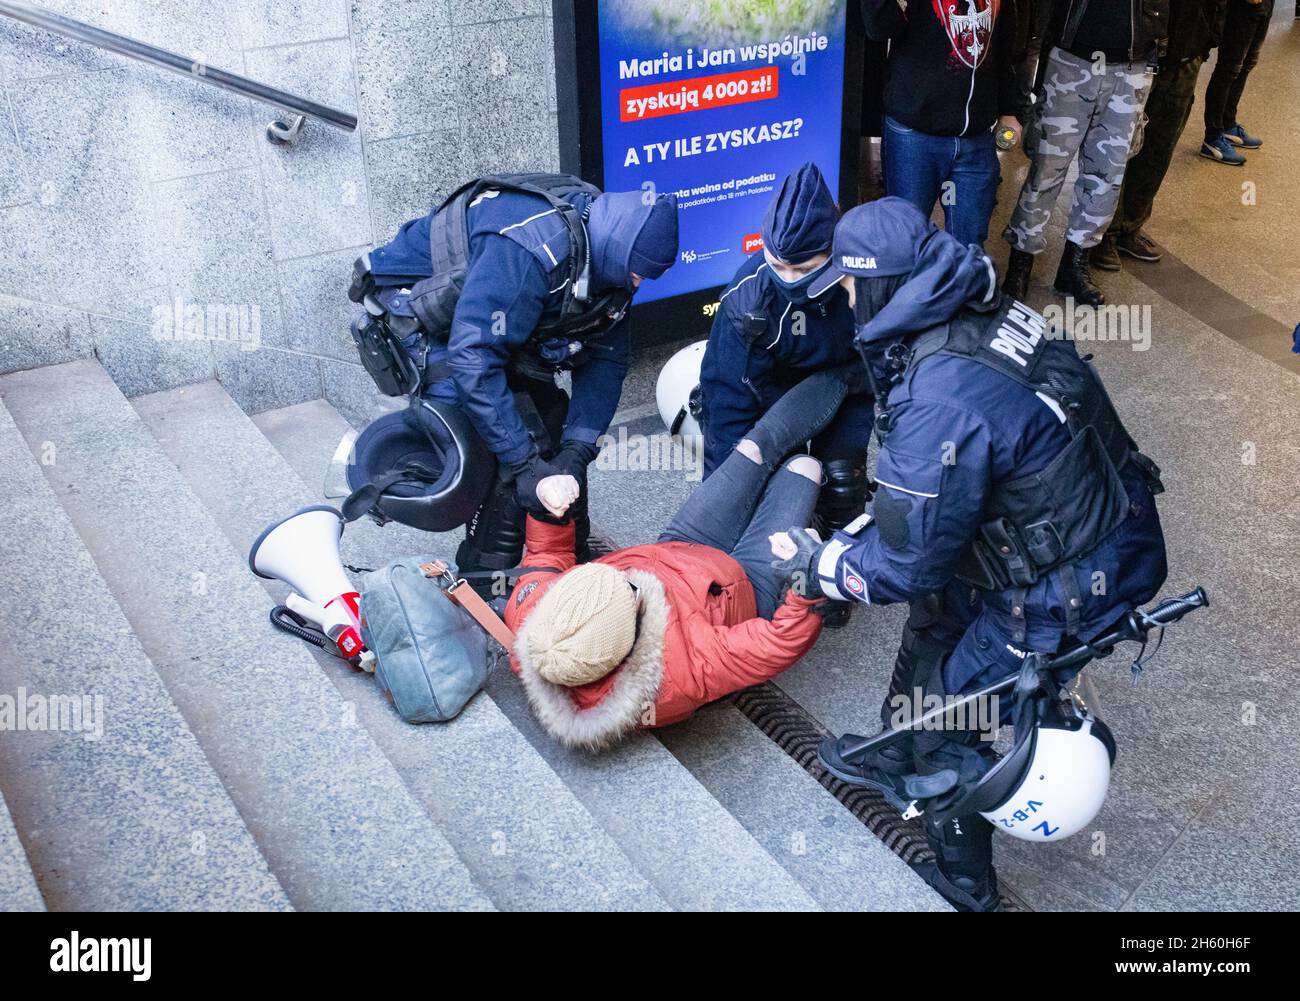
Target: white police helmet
(1053,781)
(677,391)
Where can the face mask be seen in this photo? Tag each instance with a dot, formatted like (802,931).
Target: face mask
(797,291)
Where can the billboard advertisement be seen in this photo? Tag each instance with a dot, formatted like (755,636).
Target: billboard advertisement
(717,100)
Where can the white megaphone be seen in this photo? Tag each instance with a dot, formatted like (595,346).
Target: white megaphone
(303,551)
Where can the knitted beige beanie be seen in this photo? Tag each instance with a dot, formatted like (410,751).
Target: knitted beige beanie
(583,626)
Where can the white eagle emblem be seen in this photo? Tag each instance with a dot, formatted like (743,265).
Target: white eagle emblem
(970,33)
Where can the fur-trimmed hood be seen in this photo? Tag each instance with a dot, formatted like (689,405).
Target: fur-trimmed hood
(635,686)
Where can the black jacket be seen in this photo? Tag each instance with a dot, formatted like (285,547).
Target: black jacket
(1195,27)
(1149,18)
(947,74)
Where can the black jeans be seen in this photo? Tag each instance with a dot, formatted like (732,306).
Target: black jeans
(743,502)
(1245,27)
(1169,105)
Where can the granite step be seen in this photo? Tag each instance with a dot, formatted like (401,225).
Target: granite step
(337,826)
(18,891)
(829,851)
(528,842)
(696,855)
(134,819)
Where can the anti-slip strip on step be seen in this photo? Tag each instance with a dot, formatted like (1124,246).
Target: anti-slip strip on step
(788,725)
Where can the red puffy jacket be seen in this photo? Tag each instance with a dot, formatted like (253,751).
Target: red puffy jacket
(699,638)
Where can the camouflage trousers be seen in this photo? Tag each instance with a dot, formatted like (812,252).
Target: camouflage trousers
(1089,110)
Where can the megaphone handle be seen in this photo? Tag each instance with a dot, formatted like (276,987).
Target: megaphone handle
(466,597)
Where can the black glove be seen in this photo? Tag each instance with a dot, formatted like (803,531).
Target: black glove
(800,570)
(573,458)
(527,475)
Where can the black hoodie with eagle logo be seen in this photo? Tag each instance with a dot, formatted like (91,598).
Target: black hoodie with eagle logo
(951,62)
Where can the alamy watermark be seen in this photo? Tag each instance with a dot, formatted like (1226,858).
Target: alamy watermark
(1111,322)
(234,323)
(32,712)
(951,713)
(652,453)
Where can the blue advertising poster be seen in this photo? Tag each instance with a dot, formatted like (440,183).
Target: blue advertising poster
(717,100)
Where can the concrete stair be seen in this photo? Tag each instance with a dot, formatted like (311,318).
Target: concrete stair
(336,824)
(18,891)
(135,820)
(529,843)
(308,791)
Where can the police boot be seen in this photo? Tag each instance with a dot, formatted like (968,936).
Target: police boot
(1074,279)
(891,771)
(1019,266)
(842,499)
(494,540)
(962,870)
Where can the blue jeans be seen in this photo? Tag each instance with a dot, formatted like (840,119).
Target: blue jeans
(736,509)
(963,170)
(743,502)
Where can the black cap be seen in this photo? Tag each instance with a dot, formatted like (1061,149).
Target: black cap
(876,240)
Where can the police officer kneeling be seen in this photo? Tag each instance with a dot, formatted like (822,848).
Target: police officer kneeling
(474,310)
(1013,511)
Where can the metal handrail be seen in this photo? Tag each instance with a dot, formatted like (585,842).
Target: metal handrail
(279,131)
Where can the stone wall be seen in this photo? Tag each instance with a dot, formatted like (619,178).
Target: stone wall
(132,198)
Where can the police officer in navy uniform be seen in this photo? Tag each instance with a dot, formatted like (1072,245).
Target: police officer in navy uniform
(770,333)
(511,281)
(1012,510)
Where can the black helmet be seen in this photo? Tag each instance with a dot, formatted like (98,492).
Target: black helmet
(424,466)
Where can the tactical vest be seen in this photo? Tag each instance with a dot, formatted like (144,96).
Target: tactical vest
(434,299)
(1043,522)
(397,350)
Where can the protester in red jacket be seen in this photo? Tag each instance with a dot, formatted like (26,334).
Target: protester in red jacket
(647,635)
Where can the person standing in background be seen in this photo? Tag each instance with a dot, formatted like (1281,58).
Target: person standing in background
(1194,29)
(1100,65)
(1245,26)
(949,79)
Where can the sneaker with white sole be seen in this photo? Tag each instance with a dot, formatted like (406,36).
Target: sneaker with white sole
(1239,137)
(1222,151)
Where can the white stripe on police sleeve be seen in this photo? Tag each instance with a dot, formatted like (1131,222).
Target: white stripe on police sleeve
(828,569)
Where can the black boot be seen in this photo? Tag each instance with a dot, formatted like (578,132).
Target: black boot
(843,498)
(494,540)
(1074,279)
(962,870)
(1019,266)
(1105,256)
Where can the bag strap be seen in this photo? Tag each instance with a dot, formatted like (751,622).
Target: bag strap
(460,592)
(467,598)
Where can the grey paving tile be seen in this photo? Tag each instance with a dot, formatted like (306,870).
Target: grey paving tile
(316,194)
(410,176)
(266,378)
(14,185)
(142,358)
(406,72)
(477,11)
(316,308)
(349,388)
(88,235)
(33,334)
(27,53)
(180,127)
(219,264)
(265,23)
(497,76)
